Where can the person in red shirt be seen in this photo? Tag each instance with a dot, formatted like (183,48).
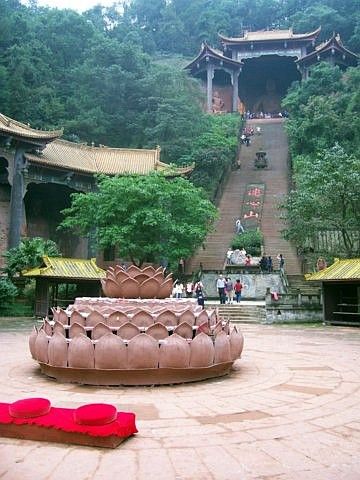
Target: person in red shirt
(237,288)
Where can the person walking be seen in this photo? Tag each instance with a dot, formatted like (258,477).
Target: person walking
(237,288)
(229,290)
(281,259)
(189,289)
(239,227)
(220,285)
(270,264)
(200,295)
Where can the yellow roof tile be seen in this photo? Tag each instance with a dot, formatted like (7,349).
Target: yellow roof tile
(341,269)
(74,268)
(271,35)
(15,128)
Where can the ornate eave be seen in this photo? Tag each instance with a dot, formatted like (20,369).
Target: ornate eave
(24,133)
(206,53)
(268,36)
(341,270)
(332,46)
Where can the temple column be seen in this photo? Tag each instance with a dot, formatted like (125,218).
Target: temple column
(235,92)
(16,200)
(209,86)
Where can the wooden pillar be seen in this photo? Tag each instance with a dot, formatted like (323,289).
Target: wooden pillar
(16,201)
(235,92)
(209,86)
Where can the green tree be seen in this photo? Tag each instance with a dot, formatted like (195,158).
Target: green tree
(28,254)
(327,198)
(147,218)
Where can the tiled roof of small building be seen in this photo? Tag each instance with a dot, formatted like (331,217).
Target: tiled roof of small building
(340,270)
(333,42)
(263,35)
(206,50)
(110,161)
(15,128)
(57,267)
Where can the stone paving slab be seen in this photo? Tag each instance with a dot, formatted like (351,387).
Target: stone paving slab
(290,410)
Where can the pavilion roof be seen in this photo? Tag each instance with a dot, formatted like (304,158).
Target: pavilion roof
(334,42)
(270,35)
(13,128)
(340,270)
(74,268)
(207,51)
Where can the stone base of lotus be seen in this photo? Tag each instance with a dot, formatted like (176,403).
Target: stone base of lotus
(138,377)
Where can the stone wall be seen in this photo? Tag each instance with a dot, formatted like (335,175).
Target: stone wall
(4,220)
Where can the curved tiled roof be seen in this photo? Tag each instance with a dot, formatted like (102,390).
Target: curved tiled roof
(270,35)
(75,268)
(212,52)
(87,159)
(340,270)
(333,42)
(12,127)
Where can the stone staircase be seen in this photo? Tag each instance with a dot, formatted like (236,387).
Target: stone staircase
(276,179)
(243,313)
(298,283)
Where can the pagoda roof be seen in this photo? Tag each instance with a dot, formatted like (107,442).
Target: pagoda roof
(270,36)
(207,51)
(70,268)
(340,270)
(21,131)
(334,42)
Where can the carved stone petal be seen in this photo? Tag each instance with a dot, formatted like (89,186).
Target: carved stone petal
(174,353)
(133,270)
(76,317)
(113,289)
(110,353)
(76,329)
(41,347)
(58,350)
(32,340)
(81,352)
(99,330)
(128,331)
(157,331)
(59,328)
(166,289)
(142,319)
(62,317)
(159,276)
(167,318)
(201,351)
(141,277)
(236,344)
(150,288)
(94,318)
(188,317)
(130,288)
(149,271)
(201,317)
(121,275)
(103,286)
(116,319)
(184,330)
(212,317)
(222,348)
(143,352)
(47,327)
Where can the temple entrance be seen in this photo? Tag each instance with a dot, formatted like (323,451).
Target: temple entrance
(43,204)
(221,90)
(265,80)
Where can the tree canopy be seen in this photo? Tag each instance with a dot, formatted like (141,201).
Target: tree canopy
(147,218)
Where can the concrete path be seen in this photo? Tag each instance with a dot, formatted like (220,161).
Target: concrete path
(289,410)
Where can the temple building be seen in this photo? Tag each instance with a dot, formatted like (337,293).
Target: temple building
(253,72)
(38,173)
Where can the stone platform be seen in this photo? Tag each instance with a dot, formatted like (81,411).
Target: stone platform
(290,410)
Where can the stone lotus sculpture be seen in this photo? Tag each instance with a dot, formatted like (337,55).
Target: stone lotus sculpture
(131,341)
(135,282)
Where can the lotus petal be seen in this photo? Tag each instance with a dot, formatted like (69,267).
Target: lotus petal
(118,268)
(128,331)
(94,318)
(120,276)
(236,344)
(62,317)
(159,277)
(165,289)
(81,352)
(218,328)
(76,329)
(222,348)
(149,271)
(174,353)
(32,340)
(204,328)
(113,289)
(201,317)
(59,328)
(157,331)
(110,353)
(58,350)
(167,318)
(143,352)
(76,317)
(103,286)
(184,330)
(160,269)
(130,288)
(142,277)
(110,275)
(41,347)
(150,288)
(142,319)
(201,351)
(187,316)
(47,327)
(116,319)
(133,270)
(99,330)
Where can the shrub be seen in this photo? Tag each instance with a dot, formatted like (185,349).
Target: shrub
(251,240)
(8,292)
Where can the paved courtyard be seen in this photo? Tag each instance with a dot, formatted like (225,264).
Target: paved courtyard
(289,410)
